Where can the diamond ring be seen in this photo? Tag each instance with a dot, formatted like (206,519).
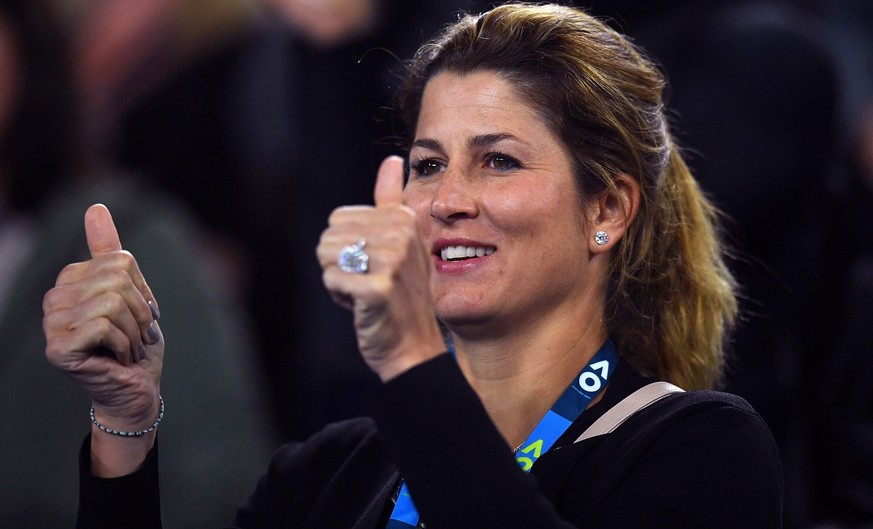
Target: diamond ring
(353,259)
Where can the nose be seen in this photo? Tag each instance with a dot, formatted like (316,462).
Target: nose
(454,198)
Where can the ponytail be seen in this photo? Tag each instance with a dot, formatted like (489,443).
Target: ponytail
(672,299)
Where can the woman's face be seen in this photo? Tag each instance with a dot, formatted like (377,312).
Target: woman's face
(498,207)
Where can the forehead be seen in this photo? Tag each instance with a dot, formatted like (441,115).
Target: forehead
(475,100)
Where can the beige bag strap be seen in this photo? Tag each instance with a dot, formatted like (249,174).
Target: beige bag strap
(636,401)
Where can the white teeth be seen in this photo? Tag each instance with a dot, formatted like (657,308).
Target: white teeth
(463,252)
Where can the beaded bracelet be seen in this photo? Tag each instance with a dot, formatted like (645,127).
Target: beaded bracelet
(139,433)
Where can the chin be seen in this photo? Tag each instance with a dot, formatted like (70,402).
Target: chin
(465,319)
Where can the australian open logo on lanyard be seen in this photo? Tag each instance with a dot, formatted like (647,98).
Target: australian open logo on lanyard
(569,406)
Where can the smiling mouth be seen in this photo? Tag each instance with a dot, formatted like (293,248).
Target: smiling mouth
(460,253)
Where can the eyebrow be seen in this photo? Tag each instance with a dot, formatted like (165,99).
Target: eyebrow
(486,140)
(427,143)
(481,140)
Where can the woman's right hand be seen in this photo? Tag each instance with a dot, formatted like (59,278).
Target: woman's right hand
(102,332)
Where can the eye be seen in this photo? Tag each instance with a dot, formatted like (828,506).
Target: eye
(425,167)
(501,162)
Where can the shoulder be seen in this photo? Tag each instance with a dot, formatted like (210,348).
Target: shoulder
(701,402)
(711,410)
(703,445)
(704,457)
(718,410)
(706,421)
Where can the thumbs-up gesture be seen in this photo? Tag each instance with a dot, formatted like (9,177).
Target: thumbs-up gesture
(393,311)
(100,323)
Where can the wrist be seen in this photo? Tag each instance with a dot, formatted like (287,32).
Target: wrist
(119,447)
(130,432)
(113,456)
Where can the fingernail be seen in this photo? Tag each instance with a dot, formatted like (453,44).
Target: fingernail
(154,335)
(142,352)
(156,314)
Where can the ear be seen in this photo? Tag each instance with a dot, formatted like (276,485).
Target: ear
(612,212)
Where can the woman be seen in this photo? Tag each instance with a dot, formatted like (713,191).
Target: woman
(551,226)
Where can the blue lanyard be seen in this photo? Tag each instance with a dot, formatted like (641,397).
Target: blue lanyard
(569,406)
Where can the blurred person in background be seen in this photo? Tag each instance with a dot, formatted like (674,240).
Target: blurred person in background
(221,435)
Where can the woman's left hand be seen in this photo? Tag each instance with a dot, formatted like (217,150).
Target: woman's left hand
(393,312)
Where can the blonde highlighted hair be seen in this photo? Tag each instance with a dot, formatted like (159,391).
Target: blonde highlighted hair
(671,299)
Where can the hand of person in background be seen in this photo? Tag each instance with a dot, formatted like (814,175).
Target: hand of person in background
(393,312)
(100,324)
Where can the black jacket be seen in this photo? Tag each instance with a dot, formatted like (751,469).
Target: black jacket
(692,460)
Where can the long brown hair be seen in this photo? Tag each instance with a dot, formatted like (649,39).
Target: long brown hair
(671,298)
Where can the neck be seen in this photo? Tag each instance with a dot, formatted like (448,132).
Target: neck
(520,375)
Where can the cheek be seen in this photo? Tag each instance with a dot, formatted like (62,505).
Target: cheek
(523,214)
(417,200)
(549,225)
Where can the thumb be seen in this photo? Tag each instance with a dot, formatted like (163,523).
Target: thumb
(389,182)
(100,231)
